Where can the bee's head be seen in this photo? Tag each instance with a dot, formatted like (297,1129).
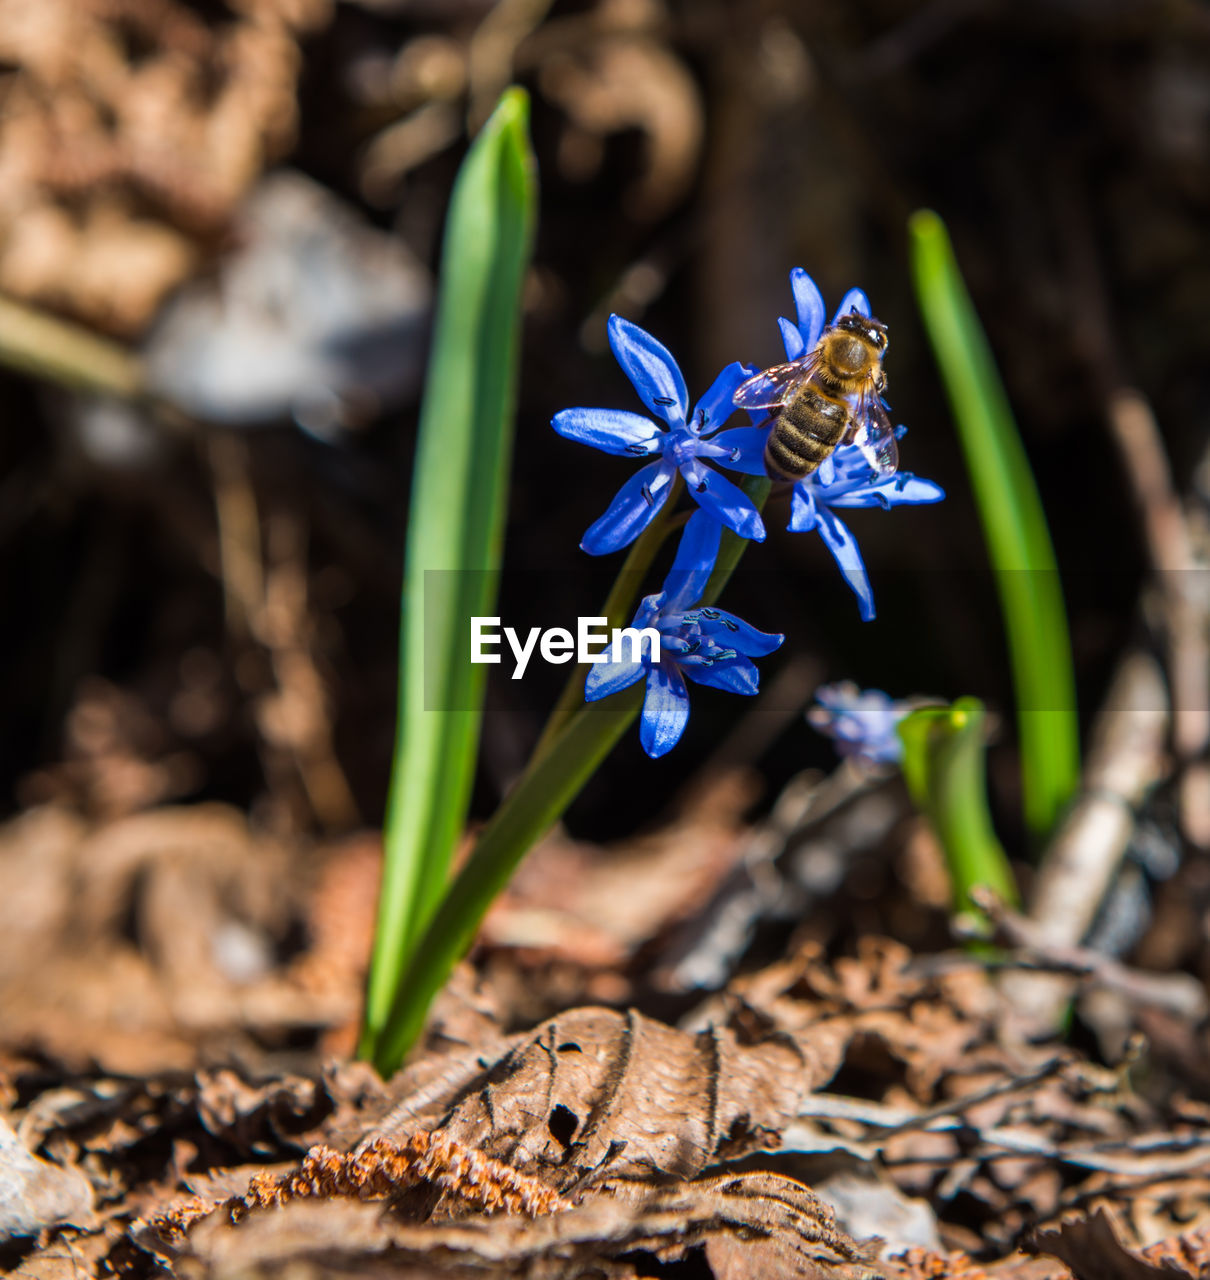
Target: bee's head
(873,331)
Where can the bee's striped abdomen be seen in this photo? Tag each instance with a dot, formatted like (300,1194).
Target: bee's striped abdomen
(808,429)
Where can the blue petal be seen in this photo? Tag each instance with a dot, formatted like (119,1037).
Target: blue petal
(793,340)
(612,430)
(651,369)
(736,676)
(630,512)
(694,562)
(803,517)
(854,300)
(843,546)
(743,449)
(808,304)
(715,407)
(665,710)
(902,490)
(725,501)
(734,633)
(608,677)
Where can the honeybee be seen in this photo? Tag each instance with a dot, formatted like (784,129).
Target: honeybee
(830,396)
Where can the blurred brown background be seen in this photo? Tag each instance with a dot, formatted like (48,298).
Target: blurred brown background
(201,595)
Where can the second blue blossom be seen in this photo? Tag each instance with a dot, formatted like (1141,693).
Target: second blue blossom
(706,645)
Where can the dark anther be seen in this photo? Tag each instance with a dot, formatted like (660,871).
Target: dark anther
(637,449)
(701,488)
(646,492)
(711,614)
(734,455)
(883,501)
(663,400)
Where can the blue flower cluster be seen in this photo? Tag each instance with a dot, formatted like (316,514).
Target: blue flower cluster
(704,644)
(863,723)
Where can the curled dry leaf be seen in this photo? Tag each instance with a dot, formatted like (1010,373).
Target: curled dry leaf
(158,937)
(120,153)
(1092,1247)
(922,1264)
(595,1093)
(748,1225)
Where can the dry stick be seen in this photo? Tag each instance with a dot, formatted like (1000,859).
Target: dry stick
(1127,759)
(237,516)
(1182,581)
(1183,593)
(1128,750)
(1178,993)
(68,354)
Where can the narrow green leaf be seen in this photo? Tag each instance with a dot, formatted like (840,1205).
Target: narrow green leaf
(1014,525)
(945,771)
(455,533)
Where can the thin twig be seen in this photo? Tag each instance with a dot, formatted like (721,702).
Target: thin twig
(1177,993)
(57,351)
(1182,581)
(1127,758)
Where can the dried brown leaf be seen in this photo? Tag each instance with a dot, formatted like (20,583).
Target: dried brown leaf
(596,1093)
(921,1264)
(1092,1247)
(774,1226)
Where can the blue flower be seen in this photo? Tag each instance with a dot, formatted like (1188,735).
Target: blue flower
(863,722)
(682,442)
(706,645)
(845,479)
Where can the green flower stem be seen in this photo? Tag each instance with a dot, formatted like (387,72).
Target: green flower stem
(550,783)
(1014,525)
(617,609)
(944,767)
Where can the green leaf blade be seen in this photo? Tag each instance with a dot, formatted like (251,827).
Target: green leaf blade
(455,533)
(1014,526)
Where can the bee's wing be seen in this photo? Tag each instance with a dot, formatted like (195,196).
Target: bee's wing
(772,387)
(873,433)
